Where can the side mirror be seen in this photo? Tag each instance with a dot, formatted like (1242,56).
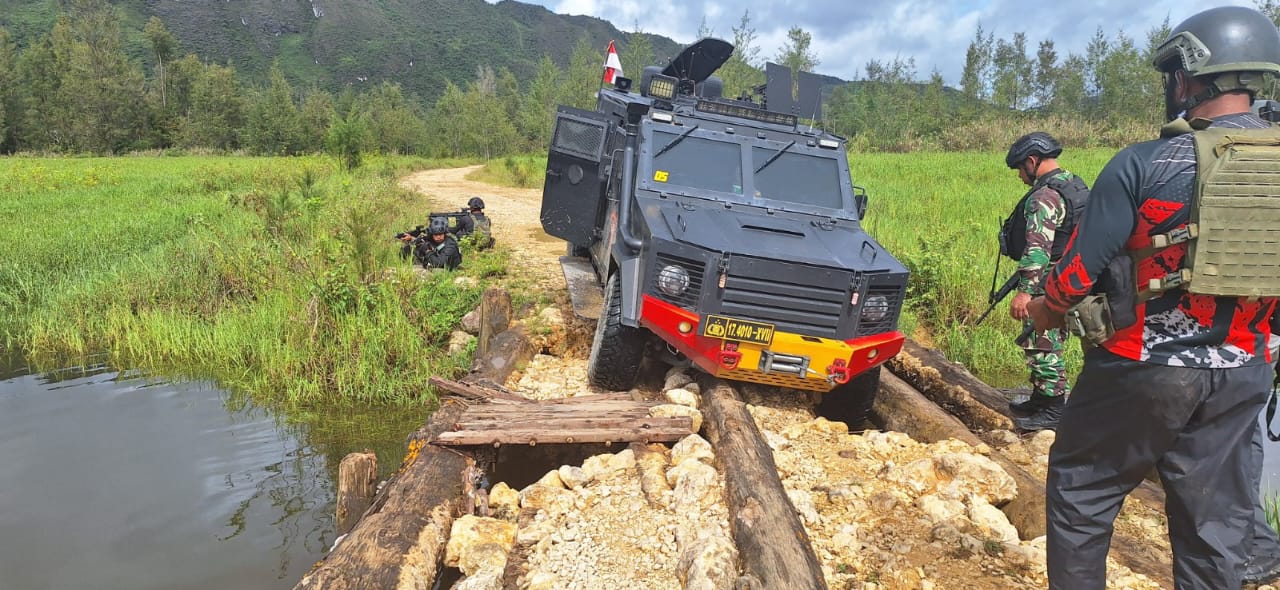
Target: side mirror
(860,204)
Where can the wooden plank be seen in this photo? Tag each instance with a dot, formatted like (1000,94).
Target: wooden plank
(565,436)
(573,424)
(773,546)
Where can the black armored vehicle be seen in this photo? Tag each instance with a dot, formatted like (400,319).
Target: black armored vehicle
(725,227)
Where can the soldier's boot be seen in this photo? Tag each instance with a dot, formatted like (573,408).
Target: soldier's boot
(1046,418)
(1034,403)
(1261,569)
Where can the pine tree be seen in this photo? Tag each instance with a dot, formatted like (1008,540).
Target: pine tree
(8,96)
(538,109)
(273,126)
(217,117)
(741,73)
(100,85)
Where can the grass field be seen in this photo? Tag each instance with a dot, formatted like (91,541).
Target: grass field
(274,276)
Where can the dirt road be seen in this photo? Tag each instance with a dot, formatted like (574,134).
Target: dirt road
(514,211)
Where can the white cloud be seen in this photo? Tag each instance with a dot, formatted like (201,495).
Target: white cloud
(846,35)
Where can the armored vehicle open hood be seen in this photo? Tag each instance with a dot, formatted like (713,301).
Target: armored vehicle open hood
(779,236)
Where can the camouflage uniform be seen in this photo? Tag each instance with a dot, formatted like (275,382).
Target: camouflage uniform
(1045,210)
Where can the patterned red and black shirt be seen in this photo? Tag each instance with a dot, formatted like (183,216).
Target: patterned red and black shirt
(1145,190)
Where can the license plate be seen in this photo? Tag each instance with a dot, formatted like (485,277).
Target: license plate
(740,330)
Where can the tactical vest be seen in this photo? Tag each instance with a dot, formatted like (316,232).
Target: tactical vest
(1233,234)
(1074,193)
(483,230)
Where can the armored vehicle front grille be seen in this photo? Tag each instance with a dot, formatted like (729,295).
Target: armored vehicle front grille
(688,299)
(892,295)
(810,310)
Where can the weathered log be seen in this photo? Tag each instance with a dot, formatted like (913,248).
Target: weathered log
(900,407)
(774,548)
(357,484)
(979,406)
(400,541)
(495,317)
(475,391)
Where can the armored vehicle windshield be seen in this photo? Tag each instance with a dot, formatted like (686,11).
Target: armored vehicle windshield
(787,171)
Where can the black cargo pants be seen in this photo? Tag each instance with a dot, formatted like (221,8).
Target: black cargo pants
(1195,427)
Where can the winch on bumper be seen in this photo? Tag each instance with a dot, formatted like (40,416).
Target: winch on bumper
(782,359)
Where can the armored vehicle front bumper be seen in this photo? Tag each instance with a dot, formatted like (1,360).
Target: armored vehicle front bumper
(758,352)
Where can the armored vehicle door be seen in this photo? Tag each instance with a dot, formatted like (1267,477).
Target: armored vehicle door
(573,193)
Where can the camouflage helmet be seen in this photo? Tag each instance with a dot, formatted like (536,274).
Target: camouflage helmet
(1233,44)
(438,225)
(475,203)
(1036,143)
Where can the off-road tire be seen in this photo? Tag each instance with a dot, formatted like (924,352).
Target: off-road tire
(616,350)
(851,403)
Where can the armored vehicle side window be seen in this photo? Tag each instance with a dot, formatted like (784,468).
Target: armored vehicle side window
(697,162)
(797,178)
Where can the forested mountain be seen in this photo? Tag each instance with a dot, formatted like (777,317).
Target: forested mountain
(333,44)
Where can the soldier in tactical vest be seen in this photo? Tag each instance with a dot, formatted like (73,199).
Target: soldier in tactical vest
(1179,384)
(476,225)
(439,250)
(1035,235)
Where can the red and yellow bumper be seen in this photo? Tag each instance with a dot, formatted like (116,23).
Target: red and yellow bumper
(826,363)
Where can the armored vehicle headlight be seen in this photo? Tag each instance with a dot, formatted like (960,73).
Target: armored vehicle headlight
(829,144)
(875,309)
(673,280)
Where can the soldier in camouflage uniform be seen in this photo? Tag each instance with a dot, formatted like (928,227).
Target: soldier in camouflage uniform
(1035,235)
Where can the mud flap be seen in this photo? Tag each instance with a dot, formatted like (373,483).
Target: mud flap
(584,289)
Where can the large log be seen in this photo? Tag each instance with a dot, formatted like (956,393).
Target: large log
(506,352)
(773,546)
(400,541)
(979,406)
(900,407)
(495,317)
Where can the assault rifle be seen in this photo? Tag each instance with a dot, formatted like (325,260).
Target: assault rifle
(995,297)
(463,213)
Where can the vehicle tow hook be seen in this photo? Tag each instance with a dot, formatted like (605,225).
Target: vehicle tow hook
(839,373)
(730,356)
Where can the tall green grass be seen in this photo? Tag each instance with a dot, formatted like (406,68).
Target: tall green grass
(939,213)
(517,171)
(274,276)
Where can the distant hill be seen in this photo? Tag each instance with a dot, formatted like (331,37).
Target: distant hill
(330,44)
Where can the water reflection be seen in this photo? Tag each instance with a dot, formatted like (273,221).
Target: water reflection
(111,480)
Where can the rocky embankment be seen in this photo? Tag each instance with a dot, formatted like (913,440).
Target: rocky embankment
(882,510)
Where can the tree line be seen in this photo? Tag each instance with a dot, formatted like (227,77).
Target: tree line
(75,90)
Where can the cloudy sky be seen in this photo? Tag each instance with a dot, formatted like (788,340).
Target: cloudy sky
(848,33)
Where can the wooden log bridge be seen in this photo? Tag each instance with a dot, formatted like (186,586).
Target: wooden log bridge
(510,420)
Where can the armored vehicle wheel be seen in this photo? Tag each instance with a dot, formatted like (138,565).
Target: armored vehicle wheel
(851,403)
(616,350)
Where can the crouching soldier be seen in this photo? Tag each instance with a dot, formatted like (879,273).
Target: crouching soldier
(476,226)
(408,239)
(439,250)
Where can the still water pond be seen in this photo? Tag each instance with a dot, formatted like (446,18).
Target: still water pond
(109,481)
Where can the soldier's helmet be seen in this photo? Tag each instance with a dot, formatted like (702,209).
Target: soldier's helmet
(1036,143)
(475,203)
(438,225)
(1226,39)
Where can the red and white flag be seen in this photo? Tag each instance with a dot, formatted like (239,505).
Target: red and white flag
(612,66)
